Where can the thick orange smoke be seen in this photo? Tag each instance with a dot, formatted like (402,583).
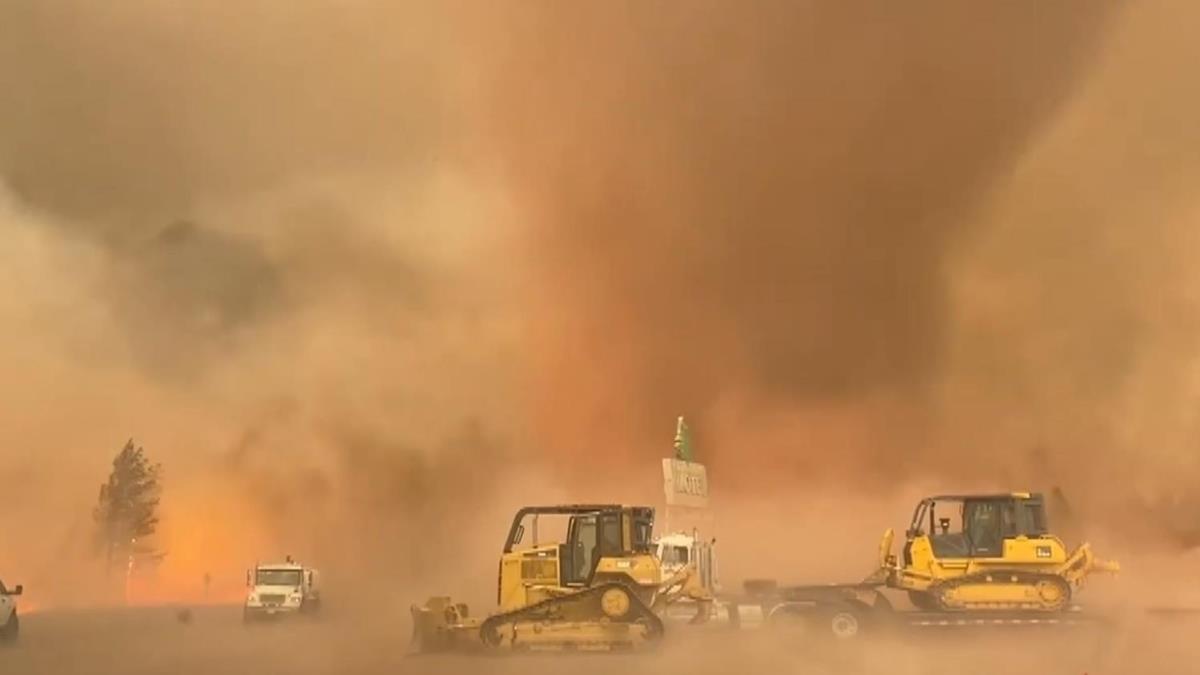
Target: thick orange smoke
(753,215)
(366,277)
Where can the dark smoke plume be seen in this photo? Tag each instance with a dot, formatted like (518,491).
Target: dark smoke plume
(762,198)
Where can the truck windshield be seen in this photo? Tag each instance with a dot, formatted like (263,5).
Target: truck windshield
(278,578)
(675,555)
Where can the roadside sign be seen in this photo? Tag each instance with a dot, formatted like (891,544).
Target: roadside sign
(685,483)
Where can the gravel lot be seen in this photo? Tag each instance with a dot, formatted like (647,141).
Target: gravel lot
(215,642)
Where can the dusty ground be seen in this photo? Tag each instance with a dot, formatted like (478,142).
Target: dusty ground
(154,641)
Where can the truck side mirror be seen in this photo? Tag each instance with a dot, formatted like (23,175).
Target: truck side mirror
(247,578)
(18,590)
(310,577)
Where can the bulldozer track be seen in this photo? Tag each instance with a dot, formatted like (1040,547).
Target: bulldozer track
(940,591)
(490,633)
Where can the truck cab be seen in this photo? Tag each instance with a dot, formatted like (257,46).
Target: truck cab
(276,589)
(679,549)
(10,625)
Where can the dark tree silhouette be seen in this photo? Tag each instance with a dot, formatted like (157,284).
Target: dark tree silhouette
(127,510)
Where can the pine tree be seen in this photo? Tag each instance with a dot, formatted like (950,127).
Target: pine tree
(683,441)
(127,510)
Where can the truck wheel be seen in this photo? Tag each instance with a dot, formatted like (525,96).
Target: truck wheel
(11,630)
(844,624)
(845,621)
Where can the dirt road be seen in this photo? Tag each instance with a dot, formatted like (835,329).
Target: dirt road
(214,642)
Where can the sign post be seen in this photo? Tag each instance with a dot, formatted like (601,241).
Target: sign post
(685,481)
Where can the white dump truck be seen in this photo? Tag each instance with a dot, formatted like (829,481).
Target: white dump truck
(278,589)
(10,625)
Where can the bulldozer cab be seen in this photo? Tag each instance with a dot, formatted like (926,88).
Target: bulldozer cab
(976,526)
(564,545)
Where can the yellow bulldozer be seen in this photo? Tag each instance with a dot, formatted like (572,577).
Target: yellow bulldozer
(580,576)
(986,552)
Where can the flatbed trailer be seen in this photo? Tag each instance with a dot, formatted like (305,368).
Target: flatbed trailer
(849,611)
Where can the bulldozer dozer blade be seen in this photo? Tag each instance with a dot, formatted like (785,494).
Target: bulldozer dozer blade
(1080,564)
(704,610)
(440,625)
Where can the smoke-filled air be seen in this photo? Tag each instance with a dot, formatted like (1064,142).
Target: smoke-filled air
(363,278)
